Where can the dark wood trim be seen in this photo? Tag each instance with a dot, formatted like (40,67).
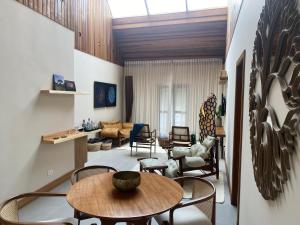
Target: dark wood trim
(46,188)
(238,132)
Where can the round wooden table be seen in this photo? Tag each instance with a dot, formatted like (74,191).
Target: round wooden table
(97,197)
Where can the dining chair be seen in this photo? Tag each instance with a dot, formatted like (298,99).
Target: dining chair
(9,211)
(145,139)
(180,136)
(197,209)
(85,172)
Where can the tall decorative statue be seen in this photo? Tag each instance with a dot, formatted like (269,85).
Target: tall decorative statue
(207,115)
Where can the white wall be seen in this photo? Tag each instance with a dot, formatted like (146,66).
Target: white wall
(87,70)
(254,209)
(32,48)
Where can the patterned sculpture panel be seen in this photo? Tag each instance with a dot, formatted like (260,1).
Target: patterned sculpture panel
(276,60)
(207,115)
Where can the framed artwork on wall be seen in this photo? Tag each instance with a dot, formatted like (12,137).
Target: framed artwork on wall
(58,82)
(105,95)
(111,95)
(99,94)
(70,85)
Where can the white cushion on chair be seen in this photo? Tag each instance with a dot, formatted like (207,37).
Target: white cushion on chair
(193,162)
(172,169)
(208,142)
(151,162)
(199,150)
(189,215)
(181,151)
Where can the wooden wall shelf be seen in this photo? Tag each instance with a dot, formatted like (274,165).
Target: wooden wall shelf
(55,92)
(80,139)
(64,136)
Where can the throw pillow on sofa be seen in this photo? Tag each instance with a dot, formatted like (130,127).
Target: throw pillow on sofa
(127,126)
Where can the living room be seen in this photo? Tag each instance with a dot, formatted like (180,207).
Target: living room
(136,112)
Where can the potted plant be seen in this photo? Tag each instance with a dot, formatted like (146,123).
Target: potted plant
(219,116)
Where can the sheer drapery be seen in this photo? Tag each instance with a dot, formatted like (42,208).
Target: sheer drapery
(170,92)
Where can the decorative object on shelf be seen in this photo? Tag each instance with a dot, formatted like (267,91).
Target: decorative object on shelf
(90,125)
(105,95)
(219,116)
(223,76)
(207,118)
(70,85)
(275,60)
(58,82)
(126,180)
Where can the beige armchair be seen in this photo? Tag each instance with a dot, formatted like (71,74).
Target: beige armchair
(199,209)
(9,211)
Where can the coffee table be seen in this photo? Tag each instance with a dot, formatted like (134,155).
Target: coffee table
(97,197)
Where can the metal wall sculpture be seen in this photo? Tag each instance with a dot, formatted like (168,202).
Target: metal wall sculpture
(276,58)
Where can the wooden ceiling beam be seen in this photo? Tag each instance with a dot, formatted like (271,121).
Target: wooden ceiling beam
(188,51)
(184,44)
(158,37)
(172,55)
(175,28)
(199,34)
(203,16)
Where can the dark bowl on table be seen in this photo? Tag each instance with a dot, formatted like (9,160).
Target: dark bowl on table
(126,180)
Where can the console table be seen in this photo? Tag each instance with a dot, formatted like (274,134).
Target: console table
(80,139)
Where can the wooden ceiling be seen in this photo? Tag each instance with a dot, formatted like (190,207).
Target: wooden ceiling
(179,35)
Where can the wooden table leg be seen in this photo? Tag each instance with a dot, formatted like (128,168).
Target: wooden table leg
(80,152)
(141,221)
(222,147)
(107,222)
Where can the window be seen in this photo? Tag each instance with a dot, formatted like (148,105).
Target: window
(132,8)
(205,4)
(127,8)
(179,105)
(172,112)
(164,114)
(165,6)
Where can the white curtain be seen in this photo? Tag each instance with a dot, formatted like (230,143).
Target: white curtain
(170,92)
